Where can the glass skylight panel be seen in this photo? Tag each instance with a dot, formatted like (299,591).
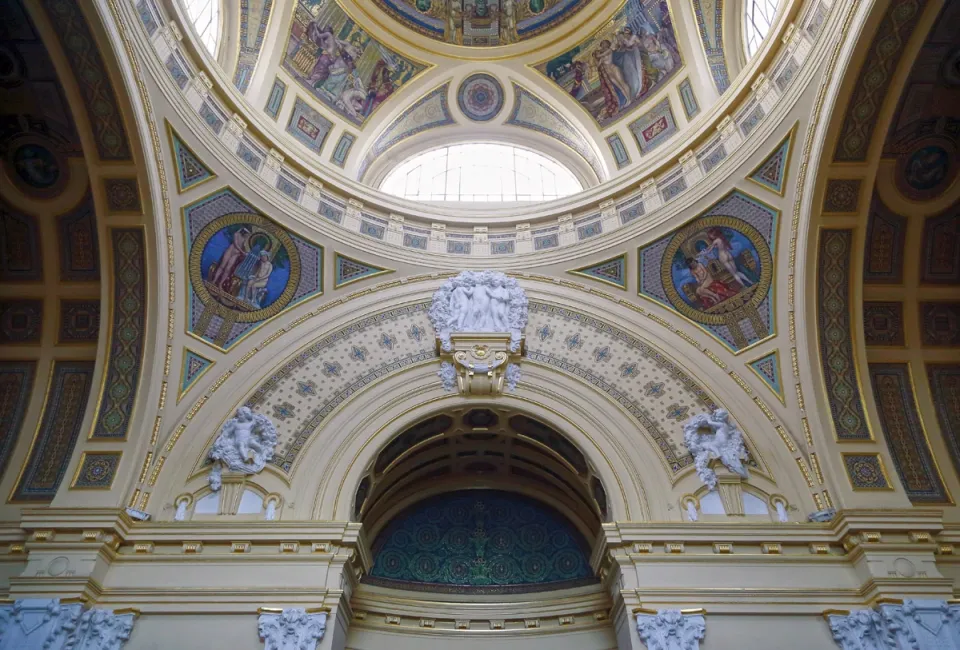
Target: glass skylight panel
(757,20)
(205,16)
(481,172)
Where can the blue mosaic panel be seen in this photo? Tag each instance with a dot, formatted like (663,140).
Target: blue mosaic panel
(767,368)
(97,470)
(475,539)
(190,171)
(620,154)
(16,385)
(348,270)
(612,271)
(772,172)
(193,367)
(689,100)
(275,99)
(342,150)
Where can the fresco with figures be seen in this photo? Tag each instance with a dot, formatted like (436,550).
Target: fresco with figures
(340,64)
(481,23)
(619,66)
(718,270)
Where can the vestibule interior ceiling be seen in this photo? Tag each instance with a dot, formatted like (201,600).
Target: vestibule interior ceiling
(237,379)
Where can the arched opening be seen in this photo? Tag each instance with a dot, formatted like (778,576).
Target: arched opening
(205,17)
(487,500)
(481,172)
(758,18)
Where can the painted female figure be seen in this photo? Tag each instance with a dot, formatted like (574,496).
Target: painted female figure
(616,92)
(720,244)
(632,51)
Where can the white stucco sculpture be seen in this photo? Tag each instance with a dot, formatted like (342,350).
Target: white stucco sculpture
(50,624)
(292,629)
(669,629)
(712,435)
(479,301)
(245,444)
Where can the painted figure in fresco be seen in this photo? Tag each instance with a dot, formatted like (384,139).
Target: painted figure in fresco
(724,251)
(232,258)
(257,282)
(353,97)
(633,64)
(336,61)
(579,87)
(661,56)
(616,91)
(709,290)
(379,88)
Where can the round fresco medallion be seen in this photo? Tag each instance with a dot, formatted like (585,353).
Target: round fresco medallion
(927,169)
(35,167)
(480,97)
(13,69)
(715,269)
(245,267)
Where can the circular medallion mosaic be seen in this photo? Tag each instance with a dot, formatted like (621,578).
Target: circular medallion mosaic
(716,268)
(36,167)
(480,97)
(244,264)
(927,169)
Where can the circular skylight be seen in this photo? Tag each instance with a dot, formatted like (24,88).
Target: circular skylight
(481,172)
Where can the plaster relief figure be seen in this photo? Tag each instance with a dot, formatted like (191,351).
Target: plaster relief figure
(479,301)
(710,436)
(245,444)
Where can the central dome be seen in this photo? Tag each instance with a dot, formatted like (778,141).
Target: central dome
(481,23)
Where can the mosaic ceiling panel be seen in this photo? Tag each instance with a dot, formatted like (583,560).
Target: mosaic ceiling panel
(481,23)
(619,66)
(341,65)
(655,391)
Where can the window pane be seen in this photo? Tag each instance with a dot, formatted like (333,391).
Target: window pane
(757,20)
(205,16)
(480,172)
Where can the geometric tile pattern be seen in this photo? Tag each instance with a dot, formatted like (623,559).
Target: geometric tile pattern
(127,333)
(612,271)
(940,323)
(190,171)
(940,254)
(772,172)
(866,471)
(254,16)
(883,323)
(945,390)
(21,321)
(193,366)
(19,245)
(836,349)
(79,249)
(60,424)
(842,195)
(97,470)
(905,436)
(656,392)
(92,78)
(886,232)
(767,368)
(79,321)
(348,270)
(874,79)
(16,386)
(122,194)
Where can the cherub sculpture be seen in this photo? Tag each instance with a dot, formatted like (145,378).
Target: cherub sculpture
(245,444)
(712,435)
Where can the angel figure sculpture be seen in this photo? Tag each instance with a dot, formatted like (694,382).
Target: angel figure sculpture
(245,444)
(712,435)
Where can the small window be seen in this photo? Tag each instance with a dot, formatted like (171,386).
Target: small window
(757,19)
(205,16)
(208,505)
(481,172)
(710,504)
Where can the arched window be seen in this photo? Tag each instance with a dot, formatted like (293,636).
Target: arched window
(481,172)
(205,16)
(757,19)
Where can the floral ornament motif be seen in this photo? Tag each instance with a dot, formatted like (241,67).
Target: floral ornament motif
(669,629)
(291,629)
(245,444)
(480,97)
(448,376)
(512,376)
(712,435)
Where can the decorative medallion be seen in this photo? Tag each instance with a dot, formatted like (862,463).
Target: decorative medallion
(842,196)
(718,270)
(883,323)
(97,470)
(243,268)
(866,471)
(123,195)
(21,321)
(192,367)
(36,167)
(79,321)
(772,172)
(654,127)
(928,169)
(612,271)
(940,323)
(480,97)
(190,171)
(767,368)
(348,270)
(623,63)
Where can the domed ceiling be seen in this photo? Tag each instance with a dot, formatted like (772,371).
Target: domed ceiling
(481,23)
